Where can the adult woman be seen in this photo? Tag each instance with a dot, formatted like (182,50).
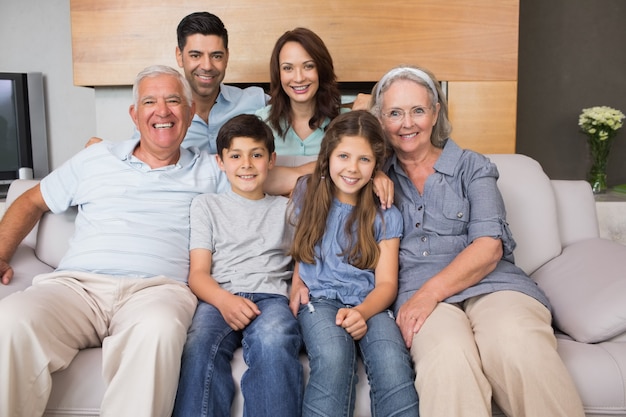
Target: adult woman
(476,325)
(304,93)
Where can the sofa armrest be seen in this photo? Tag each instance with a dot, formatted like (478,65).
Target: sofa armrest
(25,266)
(576,208)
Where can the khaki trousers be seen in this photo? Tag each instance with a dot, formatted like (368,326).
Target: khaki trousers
(141,325)
(499,345)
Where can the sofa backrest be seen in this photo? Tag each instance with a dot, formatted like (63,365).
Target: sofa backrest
(531,207)
(53,236)
(543,215)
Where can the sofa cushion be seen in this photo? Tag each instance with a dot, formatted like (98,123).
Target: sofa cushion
(53,236)
(577,211)
(586,285)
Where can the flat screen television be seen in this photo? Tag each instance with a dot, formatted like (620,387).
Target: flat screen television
(23,134)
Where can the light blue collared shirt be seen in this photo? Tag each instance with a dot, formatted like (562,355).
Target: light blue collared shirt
(231,101)
(132,220)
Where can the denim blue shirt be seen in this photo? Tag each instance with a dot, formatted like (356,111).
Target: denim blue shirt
(460,203)
(230,102)
(332,276)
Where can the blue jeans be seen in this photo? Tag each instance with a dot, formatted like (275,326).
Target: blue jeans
(272,385)
(333,359)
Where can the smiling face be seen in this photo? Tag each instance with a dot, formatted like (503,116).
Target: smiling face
(413,131)
(298,73)
(162,116)
(351,166)
(204,60)
(246,164)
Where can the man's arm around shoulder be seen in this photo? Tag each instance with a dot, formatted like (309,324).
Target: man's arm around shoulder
(16,223)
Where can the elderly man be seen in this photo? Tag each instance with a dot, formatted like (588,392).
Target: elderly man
(122,284)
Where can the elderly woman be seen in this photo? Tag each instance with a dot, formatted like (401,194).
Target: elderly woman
(476,325)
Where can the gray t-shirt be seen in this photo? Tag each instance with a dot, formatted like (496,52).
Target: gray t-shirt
(249,240)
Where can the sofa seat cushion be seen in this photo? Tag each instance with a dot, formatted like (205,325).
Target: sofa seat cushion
(78,389)
(599,373)
(586,286)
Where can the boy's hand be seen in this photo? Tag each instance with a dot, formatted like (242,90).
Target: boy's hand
(238,311)
(352,321)
(384,189)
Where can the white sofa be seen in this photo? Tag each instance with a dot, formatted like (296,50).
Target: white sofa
(555,226)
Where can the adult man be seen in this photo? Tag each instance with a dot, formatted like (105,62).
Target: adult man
(122,283)
(202,53)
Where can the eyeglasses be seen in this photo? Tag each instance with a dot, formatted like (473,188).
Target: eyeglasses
(397,115)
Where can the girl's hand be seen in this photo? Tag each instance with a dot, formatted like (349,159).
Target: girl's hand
(413,314)
(299,294)
(384,189)
(352,321)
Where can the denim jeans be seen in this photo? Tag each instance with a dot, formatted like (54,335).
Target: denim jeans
(333,360)
(273,383)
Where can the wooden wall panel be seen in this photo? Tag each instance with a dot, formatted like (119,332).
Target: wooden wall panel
(483,115)
(458,39)
(472,44)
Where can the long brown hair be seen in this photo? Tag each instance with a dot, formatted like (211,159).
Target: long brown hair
(320,190)
(328,96)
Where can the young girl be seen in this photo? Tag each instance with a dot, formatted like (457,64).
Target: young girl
(346,276)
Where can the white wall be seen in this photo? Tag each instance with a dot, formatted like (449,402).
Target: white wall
(36,37)
(112,118)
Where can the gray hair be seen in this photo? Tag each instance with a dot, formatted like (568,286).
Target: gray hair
(156,70)
(423,77)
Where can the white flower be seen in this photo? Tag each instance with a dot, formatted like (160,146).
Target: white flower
(600,122)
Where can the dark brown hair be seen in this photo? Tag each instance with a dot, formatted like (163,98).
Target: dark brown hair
(203,23)
(244,126)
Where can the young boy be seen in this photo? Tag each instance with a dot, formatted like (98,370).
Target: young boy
(239,271)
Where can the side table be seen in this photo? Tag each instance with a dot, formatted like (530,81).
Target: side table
(611,212)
